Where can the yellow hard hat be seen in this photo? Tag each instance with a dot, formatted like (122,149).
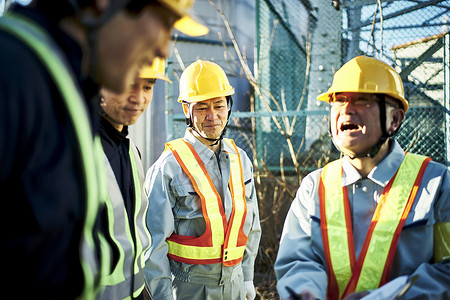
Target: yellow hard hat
(364,74)
(203,80)
(155,70)
(186,24)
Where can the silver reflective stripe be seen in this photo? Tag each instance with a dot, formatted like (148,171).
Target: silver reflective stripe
(129,270)
(119,291)
(144,238)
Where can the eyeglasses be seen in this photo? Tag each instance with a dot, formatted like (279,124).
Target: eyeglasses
(360,101)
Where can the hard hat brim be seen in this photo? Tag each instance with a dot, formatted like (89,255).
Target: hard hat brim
(324,97)
(189,26)
(150,74)
(163,77)
(186,24)
(207,96)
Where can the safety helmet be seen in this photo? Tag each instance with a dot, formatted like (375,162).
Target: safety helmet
(155,70)
(186,24)
(203,80)
(365,74)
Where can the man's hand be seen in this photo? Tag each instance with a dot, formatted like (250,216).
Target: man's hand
(249,289)
(305,295)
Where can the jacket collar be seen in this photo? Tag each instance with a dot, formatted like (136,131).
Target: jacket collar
(381,173)
(204,151)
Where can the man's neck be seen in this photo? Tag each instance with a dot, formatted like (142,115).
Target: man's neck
(365,164)
(208,143)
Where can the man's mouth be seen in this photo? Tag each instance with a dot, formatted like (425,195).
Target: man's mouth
(349,126)
(133,110)
(211,125)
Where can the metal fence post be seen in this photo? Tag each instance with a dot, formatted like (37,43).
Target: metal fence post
(169,106)
(446,63)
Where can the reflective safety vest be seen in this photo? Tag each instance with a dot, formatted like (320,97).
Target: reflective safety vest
(346,274)
(128,274)
(221,242)
(91,155)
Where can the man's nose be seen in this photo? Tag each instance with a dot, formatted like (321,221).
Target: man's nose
(348,108)
(210,113)
(137,96)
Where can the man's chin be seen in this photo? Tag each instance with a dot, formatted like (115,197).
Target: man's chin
(206,136)
(210,135)
(355,153)
(352,149)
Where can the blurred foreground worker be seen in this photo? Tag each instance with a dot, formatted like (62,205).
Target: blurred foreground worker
(54,56)
(377,213)
(203,211)
(128,203)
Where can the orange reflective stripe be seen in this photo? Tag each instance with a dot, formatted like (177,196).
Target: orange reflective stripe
(389,220)
(412,196)
(376,216)
(203,185)
(336,228)
(235,239)
(373,267)
(209,248)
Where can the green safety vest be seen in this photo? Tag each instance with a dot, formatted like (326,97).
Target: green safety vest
(128,274)
(346,274)
(90,149)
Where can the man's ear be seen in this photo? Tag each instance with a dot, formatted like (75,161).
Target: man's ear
(186,110)
(398,115)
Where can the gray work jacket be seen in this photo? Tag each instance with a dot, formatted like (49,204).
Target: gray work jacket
(174,207)
(300,262)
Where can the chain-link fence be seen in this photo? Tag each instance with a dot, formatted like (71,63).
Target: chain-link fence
(409,35)
(299,46)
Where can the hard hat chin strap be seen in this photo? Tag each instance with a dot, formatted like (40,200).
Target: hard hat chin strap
(215,141)
(371,153)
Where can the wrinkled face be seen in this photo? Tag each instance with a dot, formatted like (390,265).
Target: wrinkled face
(209,117)
(128,41)
(126,108)
(355,122)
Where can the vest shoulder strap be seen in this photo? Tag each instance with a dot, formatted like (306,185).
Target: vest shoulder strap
(32,35)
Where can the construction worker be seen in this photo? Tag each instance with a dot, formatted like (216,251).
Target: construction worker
(54,55)
(203,211)
(374,215)
(128,203)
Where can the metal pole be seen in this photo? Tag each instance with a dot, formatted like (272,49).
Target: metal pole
(446,62)
(169,106)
